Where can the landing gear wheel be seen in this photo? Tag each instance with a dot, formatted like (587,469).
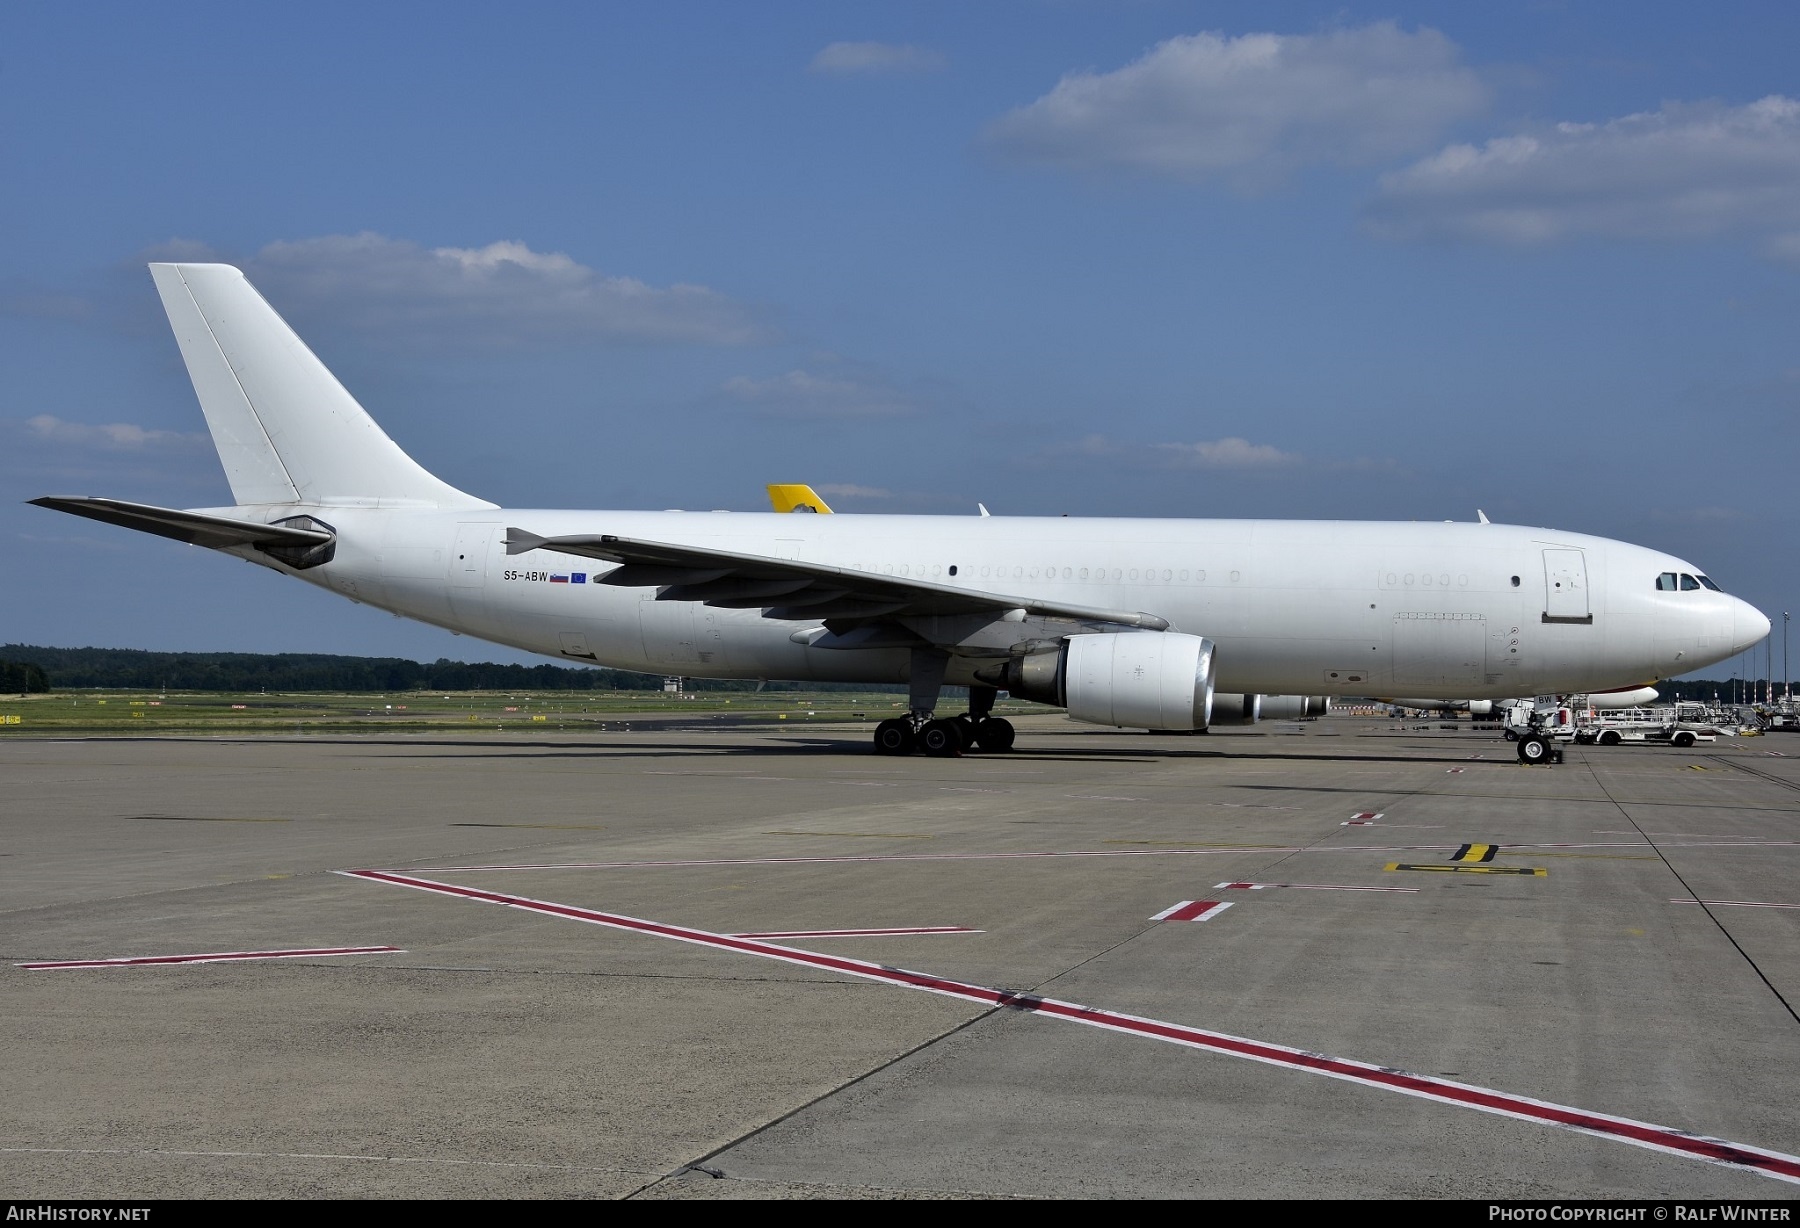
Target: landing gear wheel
(965,724)
(894,737)
(995,734)
(941,739)
(1534,749)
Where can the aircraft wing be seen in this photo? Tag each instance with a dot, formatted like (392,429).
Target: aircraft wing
(195,528)
(794,590)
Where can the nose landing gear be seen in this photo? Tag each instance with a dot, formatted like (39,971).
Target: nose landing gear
(1535,748)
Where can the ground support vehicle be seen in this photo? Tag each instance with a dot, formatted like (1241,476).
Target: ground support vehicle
(1677,725)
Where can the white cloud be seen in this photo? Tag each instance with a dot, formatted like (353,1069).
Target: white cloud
(801,394)
(1250,109)
(1228,453)
(1686,171)
(504,294)
(111,437)
(865,59)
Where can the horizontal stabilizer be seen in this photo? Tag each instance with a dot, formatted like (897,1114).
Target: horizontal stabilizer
(819,591)
(195,528)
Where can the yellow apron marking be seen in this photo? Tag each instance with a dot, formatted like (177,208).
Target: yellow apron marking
(1476,852)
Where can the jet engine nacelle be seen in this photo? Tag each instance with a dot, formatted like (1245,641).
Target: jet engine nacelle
(1631,697)
(1136,679)
(1232,709)
(1284,707)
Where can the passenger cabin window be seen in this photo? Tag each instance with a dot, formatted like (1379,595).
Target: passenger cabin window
(1688,583)
(1665,583)
(1709,584)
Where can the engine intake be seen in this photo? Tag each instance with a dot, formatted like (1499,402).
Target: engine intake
(1135,679)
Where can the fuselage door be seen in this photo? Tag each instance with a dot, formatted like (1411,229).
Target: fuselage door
(468,571)
(1566,587)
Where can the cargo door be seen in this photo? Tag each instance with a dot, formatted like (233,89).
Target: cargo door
(667,628)
(468,569)
(1433,651)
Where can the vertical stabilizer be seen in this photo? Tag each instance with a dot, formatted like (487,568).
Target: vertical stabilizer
(286,430)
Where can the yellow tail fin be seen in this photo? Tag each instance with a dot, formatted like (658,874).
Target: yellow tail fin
(796,499)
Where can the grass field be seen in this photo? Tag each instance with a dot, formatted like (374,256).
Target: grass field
(83,713)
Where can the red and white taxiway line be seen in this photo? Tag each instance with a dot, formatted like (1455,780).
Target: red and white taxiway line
(1779,1165)
(1191,910)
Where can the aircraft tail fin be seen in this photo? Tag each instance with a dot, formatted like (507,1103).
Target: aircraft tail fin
(286,430)
(796,498)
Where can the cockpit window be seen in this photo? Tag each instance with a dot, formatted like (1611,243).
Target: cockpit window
(1665,583)
(1709,584)
(1688,583)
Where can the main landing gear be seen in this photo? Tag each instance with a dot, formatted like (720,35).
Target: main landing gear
(942,737)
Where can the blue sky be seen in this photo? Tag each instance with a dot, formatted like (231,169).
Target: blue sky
(1127,258)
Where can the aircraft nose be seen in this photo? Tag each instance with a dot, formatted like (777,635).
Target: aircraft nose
(1749,625)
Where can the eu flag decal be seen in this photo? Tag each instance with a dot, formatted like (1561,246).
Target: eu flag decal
(578,577)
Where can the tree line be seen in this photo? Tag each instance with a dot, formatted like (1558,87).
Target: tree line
(28,667)
(22,678)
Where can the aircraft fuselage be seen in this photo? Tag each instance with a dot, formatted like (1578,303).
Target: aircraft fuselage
(1320,607)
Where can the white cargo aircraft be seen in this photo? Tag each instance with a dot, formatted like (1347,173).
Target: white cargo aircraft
(1131,623)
